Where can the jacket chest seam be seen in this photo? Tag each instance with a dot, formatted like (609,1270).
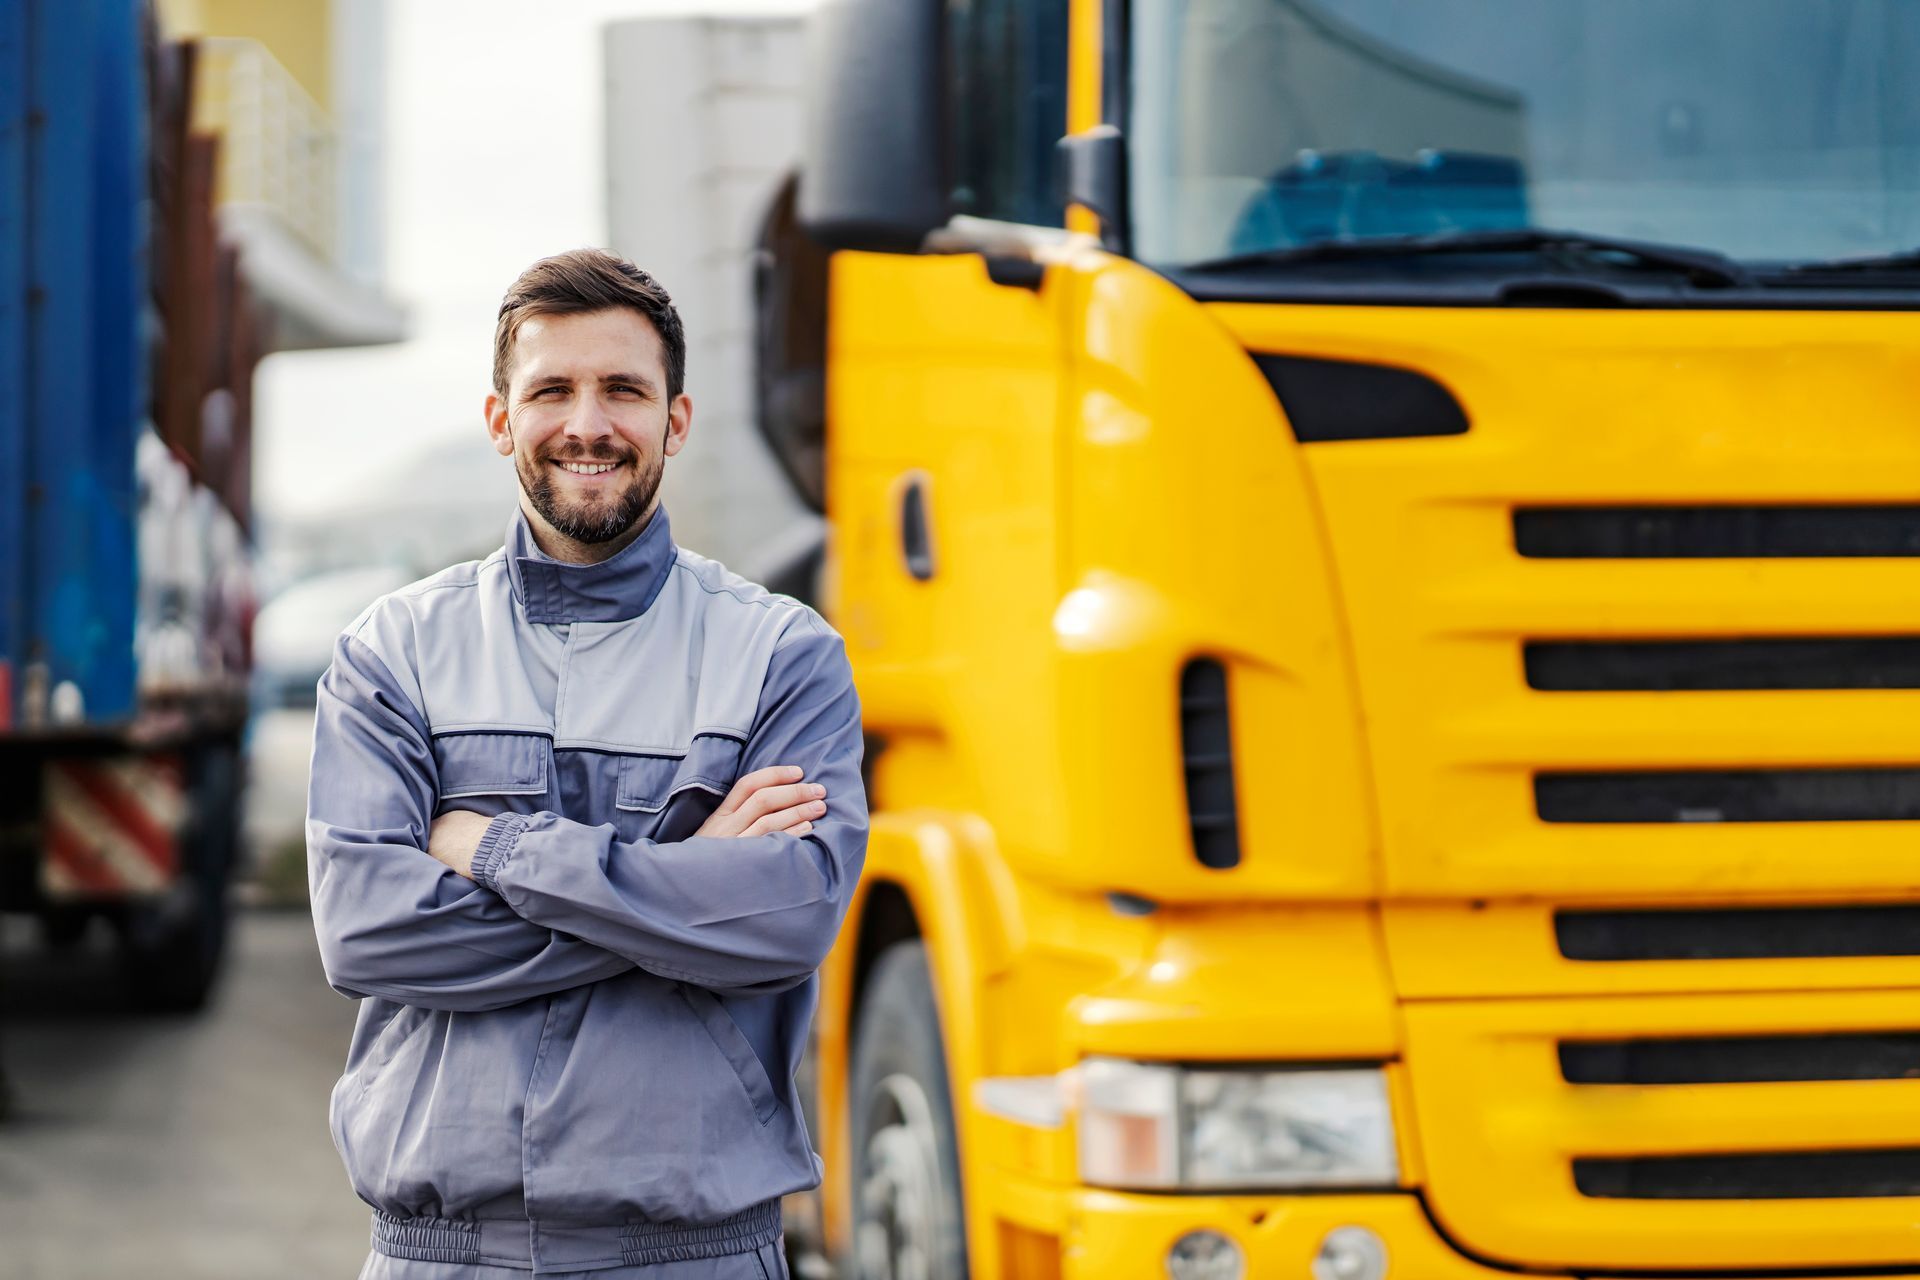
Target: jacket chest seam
(566,675)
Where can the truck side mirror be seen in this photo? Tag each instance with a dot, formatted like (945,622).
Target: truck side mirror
(873,167)
(1092,172)
(790,347)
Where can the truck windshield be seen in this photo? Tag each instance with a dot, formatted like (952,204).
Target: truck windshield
(1772,132)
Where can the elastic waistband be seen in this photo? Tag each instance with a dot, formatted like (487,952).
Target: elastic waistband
(519,1242)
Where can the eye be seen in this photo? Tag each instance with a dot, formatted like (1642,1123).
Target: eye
(550,391)
(624,389)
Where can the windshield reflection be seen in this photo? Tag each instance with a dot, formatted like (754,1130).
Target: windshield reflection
(1772,131)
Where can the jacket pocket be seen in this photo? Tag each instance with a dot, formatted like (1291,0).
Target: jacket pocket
(491,764)
(648,783)
(734,1047)
(387,1042)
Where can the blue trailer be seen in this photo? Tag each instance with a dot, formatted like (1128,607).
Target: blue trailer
(127,343)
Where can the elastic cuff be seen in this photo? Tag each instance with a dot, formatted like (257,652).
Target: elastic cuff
(496,846)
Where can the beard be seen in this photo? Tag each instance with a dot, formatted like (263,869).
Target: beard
(591,520)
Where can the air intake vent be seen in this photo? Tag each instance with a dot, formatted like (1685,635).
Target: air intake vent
(1679,533)
(1351,400)
(1206,745)
(1747,933)
(1796,1175)
(1743,1059)
(1758,795)
(1669,666)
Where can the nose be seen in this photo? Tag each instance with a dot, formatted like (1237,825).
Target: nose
(589,423)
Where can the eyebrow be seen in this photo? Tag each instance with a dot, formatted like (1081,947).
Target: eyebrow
(639,380)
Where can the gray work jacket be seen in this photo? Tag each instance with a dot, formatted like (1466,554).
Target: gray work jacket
(582,1057)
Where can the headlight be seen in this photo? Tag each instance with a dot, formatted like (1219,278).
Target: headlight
(1146,1127)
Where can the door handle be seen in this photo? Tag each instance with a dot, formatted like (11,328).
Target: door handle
(916,534)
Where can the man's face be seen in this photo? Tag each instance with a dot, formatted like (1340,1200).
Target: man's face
(587,422)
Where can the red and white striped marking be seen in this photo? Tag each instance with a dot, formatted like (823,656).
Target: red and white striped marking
(112,826)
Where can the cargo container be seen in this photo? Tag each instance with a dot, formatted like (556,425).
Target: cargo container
(128,338)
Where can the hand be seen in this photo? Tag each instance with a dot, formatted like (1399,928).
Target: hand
(767,801)
(454,837)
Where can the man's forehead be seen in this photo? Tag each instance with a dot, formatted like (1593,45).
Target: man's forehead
(589,344)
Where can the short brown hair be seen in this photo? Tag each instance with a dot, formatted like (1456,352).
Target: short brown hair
(580,281)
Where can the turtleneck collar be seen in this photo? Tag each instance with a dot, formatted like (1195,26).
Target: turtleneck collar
(619,587)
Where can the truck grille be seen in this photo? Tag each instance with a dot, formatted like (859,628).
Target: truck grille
(1638,658)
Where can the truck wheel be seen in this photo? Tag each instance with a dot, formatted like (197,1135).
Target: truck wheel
(171,948)
(908,1223)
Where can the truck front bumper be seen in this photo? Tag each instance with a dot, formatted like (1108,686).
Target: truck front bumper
(1115,1235)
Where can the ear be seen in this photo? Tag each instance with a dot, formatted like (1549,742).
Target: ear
(679,423)
(497,429)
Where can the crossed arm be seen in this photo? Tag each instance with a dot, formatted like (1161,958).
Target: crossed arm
(467,913)
(764,802)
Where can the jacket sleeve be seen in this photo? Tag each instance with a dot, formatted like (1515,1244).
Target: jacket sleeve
(747,914)
(392,920)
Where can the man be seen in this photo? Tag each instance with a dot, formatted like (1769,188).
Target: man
(583,821)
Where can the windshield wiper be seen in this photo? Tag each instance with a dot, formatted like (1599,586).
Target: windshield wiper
(1905,260)
(1702,267)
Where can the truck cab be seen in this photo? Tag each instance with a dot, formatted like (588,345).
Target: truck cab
(1377,542)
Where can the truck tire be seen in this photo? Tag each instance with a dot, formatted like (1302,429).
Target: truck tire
(908,1221)
(171,948)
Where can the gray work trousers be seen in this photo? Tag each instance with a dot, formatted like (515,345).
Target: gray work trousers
(764,1263)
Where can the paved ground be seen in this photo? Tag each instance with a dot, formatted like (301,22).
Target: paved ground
(175,1148)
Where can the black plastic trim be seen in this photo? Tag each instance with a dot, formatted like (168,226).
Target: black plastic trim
(1015,273)
(1782,1175)
(1739,933)
(1667,666)
(1744,795)
(1260,285)
(1353,400)
(1206,751)
(1870,1055)
(1715,532)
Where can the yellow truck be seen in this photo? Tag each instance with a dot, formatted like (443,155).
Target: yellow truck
(1377,539)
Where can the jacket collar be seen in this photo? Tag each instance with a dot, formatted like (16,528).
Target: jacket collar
(620,587)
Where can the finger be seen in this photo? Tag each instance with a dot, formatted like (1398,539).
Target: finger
(773,799)
(787,818)
(752,782)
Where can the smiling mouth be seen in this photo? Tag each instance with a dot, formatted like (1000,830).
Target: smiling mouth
(587,468)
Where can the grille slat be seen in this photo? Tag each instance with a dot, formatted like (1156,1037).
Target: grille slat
(1206,746)
(1743,1059)
(1721,532)
(1669,666)
(1797,1175)
(1748,795)
(1748,933)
